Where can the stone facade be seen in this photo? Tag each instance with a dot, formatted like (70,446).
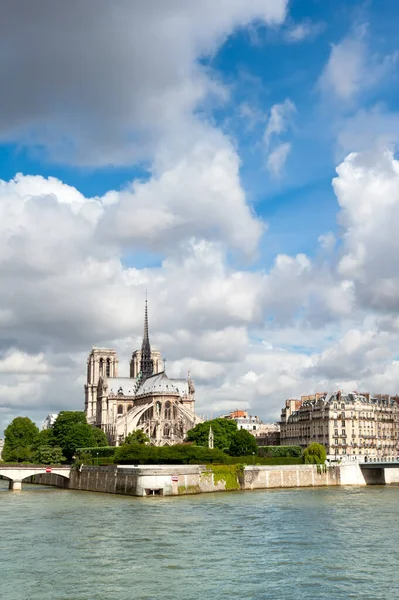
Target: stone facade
(162,407)
(352,424)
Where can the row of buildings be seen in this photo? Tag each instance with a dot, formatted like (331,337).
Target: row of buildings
(353,424)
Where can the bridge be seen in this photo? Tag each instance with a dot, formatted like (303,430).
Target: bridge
(16,474)
(379,465)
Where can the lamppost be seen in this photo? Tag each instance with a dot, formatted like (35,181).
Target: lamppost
(97,458)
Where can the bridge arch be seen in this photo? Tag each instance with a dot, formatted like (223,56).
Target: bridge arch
(16,475)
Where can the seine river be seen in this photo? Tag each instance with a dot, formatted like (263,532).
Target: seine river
(321,543)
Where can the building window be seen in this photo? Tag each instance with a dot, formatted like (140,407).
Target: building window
(120,409)
(130,407)
(101,366)
(336,431)
(108,367)
(167,410)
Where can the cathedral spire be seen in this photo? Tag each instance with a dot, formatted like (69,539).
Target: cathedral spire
(146,363)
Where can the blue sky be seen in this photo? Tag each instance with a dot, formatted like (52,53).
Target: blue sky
(209,135)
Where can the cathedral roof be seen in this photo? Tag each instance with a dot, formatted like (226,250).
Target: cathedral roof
(122,385)
(160,382)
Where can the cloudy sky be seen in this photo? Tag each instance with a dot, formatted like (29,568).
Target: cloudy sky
(234,158)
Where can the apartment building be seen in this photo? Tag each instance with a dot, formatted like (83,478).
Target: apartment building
(345,424)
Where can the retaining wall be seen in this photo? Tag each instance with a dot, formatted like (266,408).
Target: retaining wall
(174,480)
(170,480)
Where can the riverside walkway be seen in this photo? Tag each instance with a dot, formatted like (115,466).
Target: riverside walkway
(16,474)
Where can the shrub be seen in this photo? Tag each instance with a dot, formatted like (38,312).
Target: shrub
(315,454)
(280,451)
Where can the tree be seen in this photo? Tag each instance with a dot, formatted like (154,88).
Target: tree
(72,431)
(243,443)
(45,438)
(48,455)
(223,432)
(100,439)
(19,440)
(315,454)
(137,437)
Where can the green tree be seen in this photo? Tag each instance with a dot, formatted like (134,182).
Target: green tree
(315,454)
(45,438)
(243,443)
(223,432)
(48,455)
(19,440)
(100,439)
(72,431)
(137,437)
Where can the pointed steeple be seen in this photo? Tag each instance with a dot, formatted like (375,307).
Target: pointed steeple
(146,363)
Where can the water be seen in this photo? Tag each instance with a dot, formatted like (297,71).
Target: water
(326,543)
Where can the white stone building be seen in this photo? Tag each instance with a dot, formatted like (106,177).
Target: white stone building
(149,400)
(346,424)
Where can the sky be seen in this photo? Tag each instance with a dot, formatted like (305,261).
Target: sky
(237,160)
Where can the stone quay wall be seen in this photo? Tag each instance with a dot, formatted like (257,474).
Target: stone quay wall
(177,480)
(264,477)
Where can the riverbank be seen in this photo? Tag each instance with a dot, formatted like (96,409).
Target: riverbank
(177,480)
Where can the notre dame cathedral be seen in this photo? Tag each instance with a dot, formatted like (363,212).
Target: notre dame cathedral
(148,400)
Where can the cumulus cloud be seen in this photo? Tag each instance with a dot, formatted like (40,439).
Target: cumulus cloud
(117,77)
(251,336)
(367,189)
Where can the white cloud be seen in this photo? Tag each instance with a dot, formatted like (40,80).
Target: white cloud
(280,119)
(304,31)
(131,78)
(277,158)
(352,68)
(367,188)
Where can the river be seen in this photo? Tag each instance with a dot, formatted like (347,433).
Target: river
(323,543)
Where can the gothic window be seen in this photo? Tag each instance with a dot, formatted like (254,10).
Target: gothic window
(166,431)
(108,367)
(101,367)
(167,410)
(120,409)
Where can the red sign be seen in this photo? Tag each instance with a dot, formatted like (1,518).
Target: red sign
(175,478)
(48,470)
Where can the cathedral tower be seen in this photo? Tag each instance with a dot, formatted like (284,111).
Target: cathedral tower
(102,362)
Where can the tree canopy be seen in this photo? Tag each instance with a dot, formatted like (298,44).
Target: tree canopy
(137,437)
(315,454)
(20,438)
(48,455)
(243,443)
(223,432)
(72,431)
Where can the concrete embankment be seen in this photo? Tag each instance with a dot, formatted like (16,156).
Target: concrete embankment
(175,480)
